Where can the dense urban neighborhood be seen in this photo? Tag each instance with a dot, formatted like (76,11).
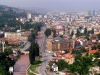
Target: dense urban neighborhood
(55,43)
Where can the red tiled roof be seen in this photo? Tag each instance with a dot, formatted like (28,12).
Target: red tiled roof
(93,51)
(7,47)
(11,56)
(68,55)
(58,53)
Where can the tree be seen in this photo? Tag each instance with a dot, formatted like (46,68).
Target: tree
(98,46)
(94,47)
(99,36)
(36,49)
(92,31)
(85,31)
(82,65)
(78,32)
(47,32)
(30,38)
(2,72)
(6,42)
(72,33)
(32,53)
(98,64)
(61,65)
(54,32)
(5,63)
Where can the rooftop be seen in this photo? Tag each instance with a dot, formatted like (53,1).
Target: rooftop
(68,55)
(59,39)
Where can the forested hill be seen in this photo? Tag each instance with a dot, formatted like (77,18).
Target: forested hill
(8,15)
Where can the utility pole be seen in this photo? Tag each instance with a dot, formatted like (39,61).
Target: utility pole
(3,45)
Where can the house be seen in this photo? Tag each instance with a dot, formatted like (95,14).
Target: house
(94,38)
(11,69)
(11,56)
(55,67)
(94,70)
(92,51)
(57,53)
(57,58)
(64,72)
(69,58)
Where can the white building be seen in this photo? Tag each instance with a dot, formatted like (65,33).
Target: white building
(29,16)
(11,69)
(40,16)
(45,16)
(55,67)
(37,19)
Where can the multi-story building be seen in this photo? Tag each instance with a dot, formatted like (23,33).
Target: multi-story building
(59,43)
(29,16)
(37,19)
(16,36)
(12,36)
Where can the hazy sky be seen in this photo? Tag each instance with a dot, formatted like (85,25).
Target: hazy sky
(67,5)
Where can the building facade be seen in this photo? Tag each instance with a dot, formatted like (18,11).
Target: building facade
(59,43)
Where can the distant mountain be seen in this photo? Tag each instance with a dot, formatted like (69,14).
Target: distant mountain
(39,10)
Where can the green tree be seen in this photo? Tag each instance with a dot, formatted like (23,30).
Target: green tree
(85,31)
(32,53)
(61,65)
(47,32)
(98,46)
(78,32)
(5,63)
(98,64)
(92,31)
(36,49)
(30,38)
(2,71)
(99,36)
(82,64)
(54,32)
(72,33)
(94,48)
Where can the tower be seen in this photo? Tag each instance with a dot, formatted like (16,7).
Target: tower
(28,16)
(20,32)
(3,45)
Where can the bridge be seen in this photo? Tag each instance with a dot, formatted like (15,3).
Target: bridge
(25,52)
(25,49)
(19,73)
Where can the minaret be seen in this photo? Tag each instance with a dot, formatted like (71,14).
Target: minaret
(20,32)
(3,44)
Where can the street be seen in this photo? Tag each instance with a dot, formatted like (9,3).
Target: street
(46,57)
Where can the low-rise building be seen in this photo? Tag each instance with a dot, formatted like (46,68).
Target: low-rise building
(69,58)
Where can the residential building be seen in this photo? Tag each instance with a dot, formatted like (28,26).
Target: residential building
(69,58)
(28,16)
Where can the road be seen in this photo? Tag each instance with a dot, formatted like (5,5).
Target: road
(46,57)
(26,46)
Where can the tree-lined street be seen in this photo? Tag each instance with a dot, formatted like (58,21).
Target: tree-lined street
(46,57)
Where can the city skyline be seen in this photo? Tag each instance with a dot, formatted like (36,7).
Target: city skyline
(64,5)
